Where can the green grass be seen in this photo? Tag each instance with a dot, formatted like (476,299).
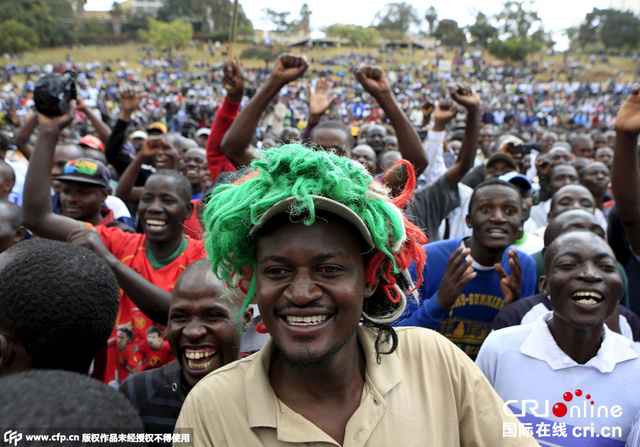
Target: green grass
(130,54)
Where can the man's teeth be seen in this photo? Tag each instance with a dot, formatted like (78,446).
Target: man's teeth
(193,365)
(193,358)
(306,321)
(154,223)
(587,297)
(497,231)
(198,354)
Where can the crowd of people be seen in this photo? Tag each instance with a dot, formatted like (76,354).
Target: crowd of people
(251,256)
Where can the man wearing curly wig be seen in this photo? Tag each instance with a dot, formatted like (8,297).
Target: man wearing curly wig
(323,248)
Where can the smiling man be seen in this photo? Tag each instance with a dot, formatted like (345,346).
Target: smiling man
(469,280)
(323,249)
(568,358)
(204,332)
(146,265)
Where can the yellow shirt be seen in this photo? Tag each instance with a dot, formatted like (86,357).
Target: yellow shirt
(427,393)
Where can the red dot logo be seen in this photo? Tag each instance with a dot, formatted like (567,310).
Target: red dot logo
(578,393)
(591,402)
(567,397)
(588,396)
(559,409)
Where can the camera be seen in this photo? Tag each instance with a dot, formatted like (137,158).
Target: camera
(52,93)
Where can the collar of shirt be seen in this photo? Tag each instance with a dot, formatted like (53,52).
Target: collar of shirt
(541,345)
(269,411)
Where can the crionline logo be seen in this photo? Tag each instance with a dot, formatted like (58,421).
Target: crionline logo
(580,408)
(12,437)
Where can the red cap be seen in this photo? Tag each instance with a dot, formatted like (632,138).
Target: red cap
(92,142)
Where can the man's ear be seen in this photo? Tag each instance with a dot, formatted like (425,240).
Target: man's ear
(189,210)
(13,357)
(369,290)
(542,284)
(19,234)
(7,186)
(105,194)
(467,219)
(247,319)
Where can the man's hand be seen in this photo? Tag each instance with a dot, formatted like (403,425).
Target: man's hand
(129,101)
(373,79)
(151,146)
(80,105)
(427,109)
(543,163)
(57,123)
(628,119)
(89,238)
(444,112)
(511,285)
(464,96)
(457,275)
(233,81)
(320,99)
(289,67)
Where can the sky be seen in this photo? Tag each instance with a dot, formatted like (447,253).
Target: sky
(555,14)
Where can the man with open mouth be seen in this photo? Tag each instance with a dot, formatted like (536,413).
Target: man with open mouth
(146,265)
(204,332)
(568,358)
(323,249)
(469,280)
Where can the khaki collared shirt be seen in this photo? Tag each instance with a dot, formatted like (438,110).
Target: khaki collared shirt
(427,393)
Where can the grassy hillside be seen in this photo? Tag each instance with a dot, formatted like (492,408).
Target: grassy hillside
(130,53)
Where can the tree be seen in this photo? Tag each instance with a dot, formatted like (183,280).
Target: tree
(431,16)
(450,33)
(515,21)
(16,38)
(264,54)
(278,19)
(513,49)
(218,11)
(51,20)
(396,18)
(482,31)
(305,19)
(612,28)
(356,34)
(521,33)
(117,14)
(168,35)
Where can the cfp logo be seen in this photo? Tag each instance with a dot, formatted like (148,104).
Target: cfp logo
(12,437)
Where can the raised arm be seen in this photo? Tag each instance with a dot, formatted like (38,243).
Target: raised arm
(471,102)
(235,144)
(374,81)
(37,210)
(226,114)
(433,145)
(22,137)
(129,101)
(100,127)
(320,100)
(625,176)
(127,190)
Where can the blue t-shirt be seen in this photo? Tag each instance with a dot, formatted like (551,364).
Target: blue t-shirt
(468,322)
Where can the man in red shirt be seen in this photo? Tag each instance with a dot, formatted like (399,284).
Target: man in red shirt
(146,265)
(128,359)
(156,351)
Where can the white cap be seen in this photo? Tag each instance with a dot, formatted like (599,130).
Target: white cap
(139,134)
